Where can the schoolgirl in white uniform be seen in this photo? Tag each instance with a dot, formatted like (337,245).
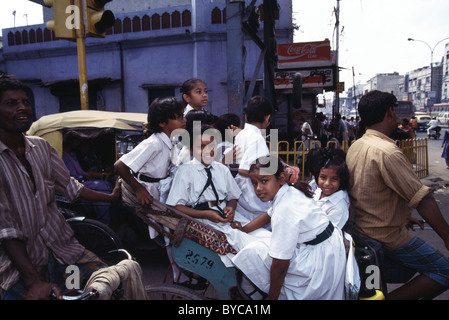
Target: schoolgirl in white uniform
(331,175)
(336,206)
(194,94)
(306,257)
(188,193)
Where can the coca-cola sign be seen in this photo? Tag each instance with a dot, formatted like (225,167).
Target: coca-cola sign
(304,54)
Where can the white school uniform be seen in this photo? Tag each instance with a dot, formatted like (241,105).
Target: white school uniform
(253,146)
(225,151)
(312,184)
(180,154)
(151,157)
(189,108)
(315,271)
(336,206)
(189,181)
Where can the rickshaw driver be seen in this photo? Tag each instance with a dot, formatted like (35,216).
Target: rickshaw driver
(36,242)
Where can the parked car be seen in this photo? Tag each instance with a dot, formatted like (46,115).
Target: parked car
(423,121)
(443,118)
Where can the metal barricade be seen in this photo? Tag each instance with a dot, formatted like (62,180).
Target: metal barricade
(416,150)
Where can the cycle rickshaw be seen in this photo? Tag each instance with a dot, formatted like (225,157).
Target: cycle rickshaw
(118,132)
(112,134)
(196,248)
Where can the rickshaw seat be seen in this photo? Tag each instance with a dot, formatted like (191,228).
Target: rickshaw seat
(179,225)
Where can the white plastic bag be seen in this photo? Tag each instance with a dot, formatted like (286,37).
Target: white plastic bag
(352,277)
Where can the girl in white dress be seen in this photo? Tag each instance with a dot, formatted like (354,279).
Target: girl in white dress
(305,258)
(214,204)
(331,174)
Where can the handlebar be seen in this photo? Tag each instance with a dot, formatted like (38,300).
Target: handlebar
(422,221)
(79,295)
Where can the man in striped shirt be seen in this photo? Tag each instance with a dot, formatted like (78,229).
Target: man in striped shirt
(383,191)
(35,239)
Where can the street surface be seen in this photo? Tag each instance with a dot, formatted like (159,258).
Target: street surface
(154,262)
(438,180)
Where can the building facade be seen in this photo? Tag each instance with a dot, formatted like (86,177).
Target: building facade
(421,86)
(415,86)
(418,85)
(149,52)
(445,75)
(389,82)
(424,86)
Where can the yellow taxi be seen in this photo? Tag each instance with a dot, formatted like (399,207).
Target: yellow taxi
(423,120)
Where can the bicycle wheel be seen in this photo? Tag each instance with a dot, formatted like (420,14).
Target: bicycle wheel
(171,292)
(98,238)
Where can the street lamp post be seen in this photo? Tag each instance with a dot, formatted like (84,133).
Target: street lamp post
(431,62)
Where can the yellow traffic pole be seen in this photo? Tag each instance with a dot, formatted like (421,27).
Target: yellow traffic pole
(81,48)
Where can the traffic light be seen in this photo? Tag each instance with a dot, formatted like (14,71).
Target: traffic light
(66,18)
(97,19)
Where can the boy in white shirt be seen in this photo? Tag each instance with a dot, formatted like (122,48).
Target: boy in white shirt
(148,163)
(252,145)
